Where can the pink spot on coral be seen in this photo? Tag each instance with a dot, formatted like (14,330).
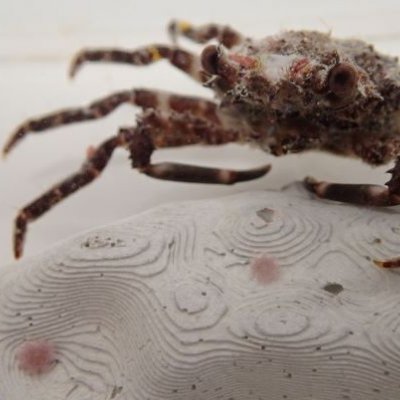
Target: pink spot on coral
(36,356)
(264,269)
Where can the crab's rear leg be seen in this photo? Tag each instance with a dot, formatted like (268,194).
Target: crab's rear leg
(373,153)
(204,33)
(181,59)
(369,195)
(143,98)
(363,194)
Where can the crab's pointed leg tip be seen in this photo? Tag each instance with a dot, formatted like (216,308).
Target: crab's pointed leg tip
(72,71)
(310,182)
(6,150)
(388,264)
(11,143)
(18,248)
(266,168)
(380,264)
(17,253)
(310,179)
(74,66)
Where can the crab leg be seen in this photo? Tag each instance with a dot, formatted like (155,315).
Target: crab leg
(158,130)
(204,33)
(155,129)
(363,194)
(89,171)
(182,59)
(140,97)
(369,195)
(197,174)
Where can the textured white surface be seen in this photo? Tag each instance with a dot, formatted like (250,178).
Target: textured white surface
(166,305)
(37,40)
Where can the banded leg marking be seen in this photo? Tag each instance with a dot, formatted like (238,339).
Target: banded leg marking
(391,263)
(89,171)
(362,194)
(197,174)
(182,59)
(140,97)
(204,33)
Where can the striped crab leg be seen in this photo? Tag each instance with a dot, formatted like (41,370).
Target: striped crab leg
(363,194)
(98,109)
(204,33)
(179,58)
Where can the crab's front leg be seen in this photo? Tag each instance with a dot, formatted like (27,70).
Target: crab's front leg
(204,33)
(144,98)
(363,194)
(179,58)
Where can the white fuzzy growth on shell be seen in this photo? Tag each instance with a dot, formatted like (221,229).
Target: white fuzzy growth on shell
(276,66)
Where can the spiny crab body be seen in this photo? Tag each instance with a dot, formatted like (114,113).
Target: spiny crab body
(291,92)
(306,90)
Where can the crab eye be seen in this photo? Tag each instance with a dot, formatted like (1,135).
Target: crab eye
(209,59)
(342,80)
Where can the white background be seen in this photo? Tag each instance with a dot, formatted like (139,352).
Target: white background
(37,40)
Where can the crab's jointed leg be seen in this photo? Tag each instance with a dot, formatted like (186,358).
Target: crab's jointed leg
(89,171)
(368,195)
(204,33)
(156,129)
(182,59)
(143,98)
(363,194)
(197,174)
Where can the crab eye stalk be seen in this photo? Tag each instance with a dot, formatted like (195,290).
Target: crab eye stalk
(342,80)
(209,59)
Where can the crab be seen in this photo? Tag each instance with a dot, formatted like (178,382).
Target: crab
(286,93)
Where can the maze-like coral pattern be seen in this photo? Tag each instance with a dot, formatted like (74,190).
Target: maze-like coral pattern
(257,296)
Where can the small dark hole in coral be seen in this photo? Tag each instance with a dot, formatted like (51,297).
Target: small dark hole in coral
(334,288)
